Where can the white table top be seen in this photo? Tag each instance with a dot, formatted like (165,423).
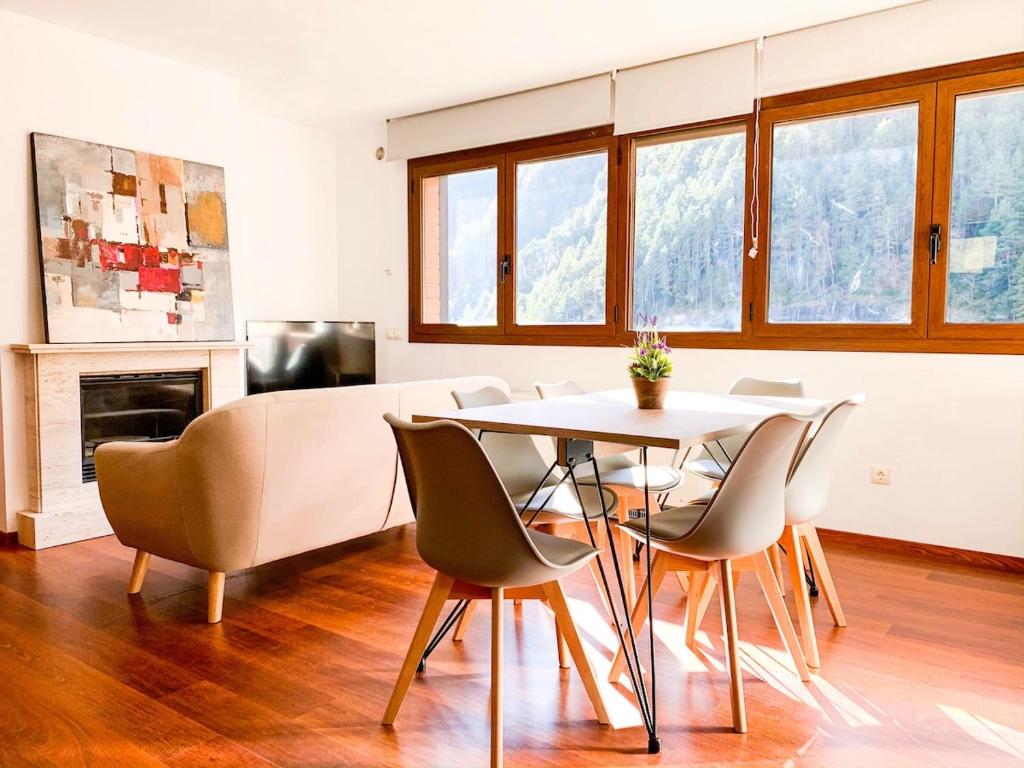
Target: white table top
(689,418)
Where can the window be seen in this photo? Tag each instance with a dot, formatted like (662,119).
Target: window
(459,240)
(980,203)
(456,228)
(561,240)
(842,218)
(513,245)
(845,192)
(688,229)
(888,215)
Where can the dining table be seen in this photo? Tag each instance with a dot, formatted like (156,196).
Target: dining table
(577,422)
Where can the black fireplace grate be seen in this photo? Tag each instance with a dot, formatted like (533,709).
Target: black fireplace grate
(137,407)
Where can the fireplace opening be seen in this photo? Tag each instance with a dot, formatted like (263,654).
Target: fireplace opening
(142,407)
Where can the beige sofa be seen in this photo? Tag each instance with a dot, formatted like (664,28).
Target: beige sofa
(266,477)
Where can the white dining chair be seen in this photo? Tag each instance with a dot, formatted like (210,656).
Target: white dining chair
(554,508)
(731,533)
(712,460)
(807,496)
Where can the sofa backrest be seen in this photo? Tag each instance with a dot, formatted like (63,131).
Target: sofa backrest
(310,467)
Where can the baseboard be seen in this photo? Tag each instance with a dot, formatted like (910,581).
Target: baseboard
(8,537)
(1006,563)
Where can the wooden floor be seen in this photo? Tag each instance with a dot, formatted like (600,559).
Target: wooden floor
(930,671)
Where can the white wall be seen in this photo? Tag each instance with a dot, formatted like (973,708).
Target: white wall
(280,177)
(951,427)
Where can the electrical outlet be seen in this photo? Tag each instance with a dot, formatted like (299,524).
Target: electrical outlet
(880,475)
(393,334)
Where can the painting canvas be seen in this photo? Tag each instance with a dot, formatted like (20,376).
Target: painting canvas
(134,246)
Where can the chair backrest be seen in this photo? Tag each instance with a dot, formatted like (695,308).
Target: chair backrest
(747,513)
(466,525)
(515,457)
(561,389)
(807,491)
(748,385)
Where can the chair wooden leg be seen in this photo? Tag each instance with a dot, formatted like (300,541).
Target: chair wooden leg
(699,586)
(435,603)
(599,583)
(776,556)
(795,556)
(556,599)
(563,649)
(463,624)
(777,605)
(683,577)
(625,545)
(139,568)
(705,602)
(739,713)
(638,617)
(823,574)
(215,597)
(497,610)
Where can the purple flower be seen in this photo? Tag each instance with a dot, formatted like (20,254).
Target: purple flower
(643,353)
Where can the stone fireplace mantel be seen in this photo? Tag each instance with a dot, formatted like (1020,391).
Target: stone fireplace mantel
(62,508)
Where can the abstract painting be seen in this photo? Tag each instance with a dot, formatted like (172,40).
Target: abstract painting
(133,246)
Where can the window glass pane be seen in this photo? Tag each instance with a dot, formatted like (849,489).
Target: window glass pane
(561,234)
(459,248)
(842,218)
(688,233)
(986,237)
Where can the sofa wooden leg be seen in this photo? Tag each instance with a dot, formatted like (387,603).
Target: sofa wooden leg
(215,597)
(138,572)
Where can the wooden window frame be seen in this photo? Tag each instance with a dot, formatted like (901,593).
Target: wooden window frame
(627,242)
(555,152)
(948,91)
(923,96)
(448,331)
(935,90)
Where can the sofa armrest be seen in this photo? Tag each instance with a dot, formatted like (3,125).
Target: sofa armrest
(141,496)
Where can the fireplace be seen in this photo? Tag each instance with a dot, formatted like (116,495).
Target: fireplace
(144,407)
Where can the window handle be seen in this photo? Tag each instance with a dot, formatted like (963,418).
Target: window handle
(935,242)
(504,268)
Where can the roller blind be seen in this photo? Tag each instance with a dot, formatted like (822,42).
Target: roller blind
(555,109)
(896,40)
(688,89)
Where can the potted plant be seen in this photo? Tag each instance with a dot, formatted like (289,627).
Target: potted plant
(650,365)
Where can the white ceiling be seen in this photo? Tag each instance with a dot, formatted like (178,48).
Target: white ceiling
(325,61)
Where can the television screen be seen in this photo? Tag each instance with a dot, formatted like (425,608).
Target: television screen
(298,355)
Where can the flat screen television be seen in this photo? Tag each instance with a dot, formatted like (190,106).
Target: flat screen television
(308,355)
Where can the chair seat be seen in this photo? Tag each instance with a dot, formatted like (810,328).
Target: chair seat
(563,504)
(707,468)
(621,470)
(669,525)
(704,498)
(560,551)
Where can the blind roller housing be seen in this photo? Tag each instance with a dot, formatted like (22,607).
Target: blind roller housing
(897,40)
(688,89)
(541,112)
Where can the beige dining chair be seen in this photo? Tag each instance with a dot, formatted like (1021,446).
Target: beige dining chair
(806,497)
(625,476)
(554,508)
(470,533)
(713,460)
(730,533)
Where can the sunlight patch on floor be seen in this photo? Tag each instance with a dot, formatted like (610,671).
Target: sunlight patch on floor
(854,715)
(1001,737)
